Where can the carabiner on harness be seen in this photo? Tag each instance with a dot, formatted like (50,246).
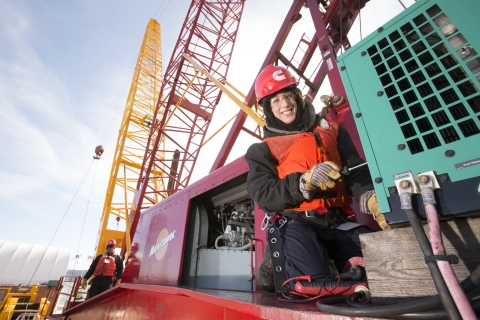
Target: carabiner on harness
(265,220)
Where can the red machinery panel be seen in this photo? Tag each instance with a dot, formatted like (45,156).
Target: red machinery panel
(162,229)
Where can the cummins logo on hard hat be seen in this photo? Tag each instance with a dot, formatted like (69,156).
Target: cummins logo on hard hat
(278,75)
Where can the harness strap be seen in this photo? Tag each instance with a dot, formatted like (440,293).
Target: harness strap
(278,261)
(330,219)
(453,259)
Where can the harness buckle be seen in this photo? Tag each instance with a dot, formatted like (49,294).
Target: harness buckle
(281,222)
(309,214)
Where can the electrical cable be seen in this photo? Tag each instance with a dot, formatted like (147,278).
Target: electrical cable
(390,311)
(58,227)
(431,314)
(438,280)
(438,249)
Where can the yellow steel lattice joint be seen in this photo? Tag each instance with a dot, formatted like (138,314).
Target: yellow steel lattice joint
(133,139)
(257,118)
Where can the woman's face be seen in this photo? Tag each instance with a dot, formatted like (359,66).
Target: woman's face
(284,107)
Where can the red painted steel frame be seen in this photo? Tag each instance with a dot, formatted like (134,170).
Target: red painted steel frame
(327,68)
(170,217)
(146,302)
(208,35)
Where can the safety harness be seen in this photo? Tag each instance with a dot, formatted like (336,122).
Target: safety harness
(328,209)
(273,222)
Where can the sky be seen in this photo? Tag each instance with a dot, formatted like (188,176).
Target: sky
(65,72)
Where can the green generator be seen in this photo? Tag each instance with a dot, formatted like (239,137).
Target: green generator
(413,87)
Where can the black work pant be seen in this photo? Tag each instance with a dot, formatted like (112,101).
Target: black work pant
(305,248)
(99,285)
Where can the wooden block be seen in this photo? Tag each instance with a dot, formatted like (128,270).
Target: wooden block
(395,265)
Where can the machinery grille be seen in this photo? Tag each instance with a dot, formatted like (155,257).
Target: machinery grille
(431,75)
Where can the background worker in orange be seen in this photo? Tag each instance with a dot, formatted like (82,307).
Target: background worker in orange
(104,268)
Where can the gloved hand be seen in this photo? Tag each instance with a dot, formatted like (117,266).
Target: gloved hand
(307,194)
(84,283)
(323,175)
(90,281)
(118,282)
(374,208)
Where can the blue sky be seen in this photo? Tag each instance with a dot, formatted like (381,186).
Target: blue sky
(65,72)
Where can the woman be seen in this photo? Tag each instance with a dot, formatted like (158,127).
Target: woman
(295,172)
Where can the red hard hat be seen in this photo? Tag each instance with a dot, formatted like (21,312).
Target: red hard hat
(273,79)
(111,242)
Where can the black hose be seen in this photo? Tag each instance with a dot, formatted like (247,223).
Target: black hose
(438,280)
(436,314)
(410,307)
(332,300)
(355,300)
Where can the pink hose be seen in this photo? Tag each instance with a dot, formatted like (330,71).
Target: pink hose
(445,267)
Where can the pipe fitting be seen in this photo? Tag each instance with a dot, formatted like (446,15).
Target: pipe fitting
(366,293)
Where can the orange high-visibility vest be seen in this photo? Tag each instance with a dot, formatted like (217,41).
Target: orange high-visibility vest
(106,266)
(299,152)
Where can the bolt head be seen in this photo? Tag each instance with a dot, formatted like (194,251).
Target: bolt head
(378,179)
(392,190)
(358,115)
(342,68)
(379,93)
(423,179)
(401,146)
(363,53)
(449,153)
(405,184)
(443,177)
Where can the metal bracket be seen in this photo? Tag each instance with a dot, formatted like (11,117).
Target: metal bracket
(431,180)
(407,182)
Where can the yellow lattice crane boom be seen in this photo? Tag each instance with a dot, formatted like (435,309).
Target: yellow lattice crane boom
(132,140)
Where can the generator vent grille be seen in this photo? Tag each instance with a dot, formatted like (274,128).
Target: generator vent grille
(431,75)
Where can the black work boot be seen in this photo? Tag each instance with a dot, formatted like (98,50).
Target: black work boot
(265,271)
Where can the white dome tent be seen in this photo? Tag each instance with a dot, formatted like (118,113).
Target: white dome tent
(26,264)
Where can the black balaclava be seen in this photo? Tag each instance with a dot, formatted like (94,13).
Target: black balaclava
(305,117)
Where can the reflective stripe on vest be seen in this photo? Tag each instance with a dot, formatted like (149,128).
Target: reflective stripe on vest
(105,267)
(299,152)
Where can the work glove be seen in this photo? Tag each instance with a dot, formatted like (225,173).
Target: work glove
(374,209)
(307,194)
(90,281)
(84,283)
(323,175)
(118,282)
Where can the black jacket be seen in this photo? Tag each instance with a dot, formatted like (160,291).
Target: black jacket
(118,264)
(273,194)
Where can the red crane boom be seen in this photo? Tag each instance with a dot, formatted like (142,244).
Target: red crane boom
(187,100)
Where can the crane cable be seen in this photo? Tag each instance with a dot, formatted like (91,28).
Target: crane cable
(84,219)
(61,221)
(162,10)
